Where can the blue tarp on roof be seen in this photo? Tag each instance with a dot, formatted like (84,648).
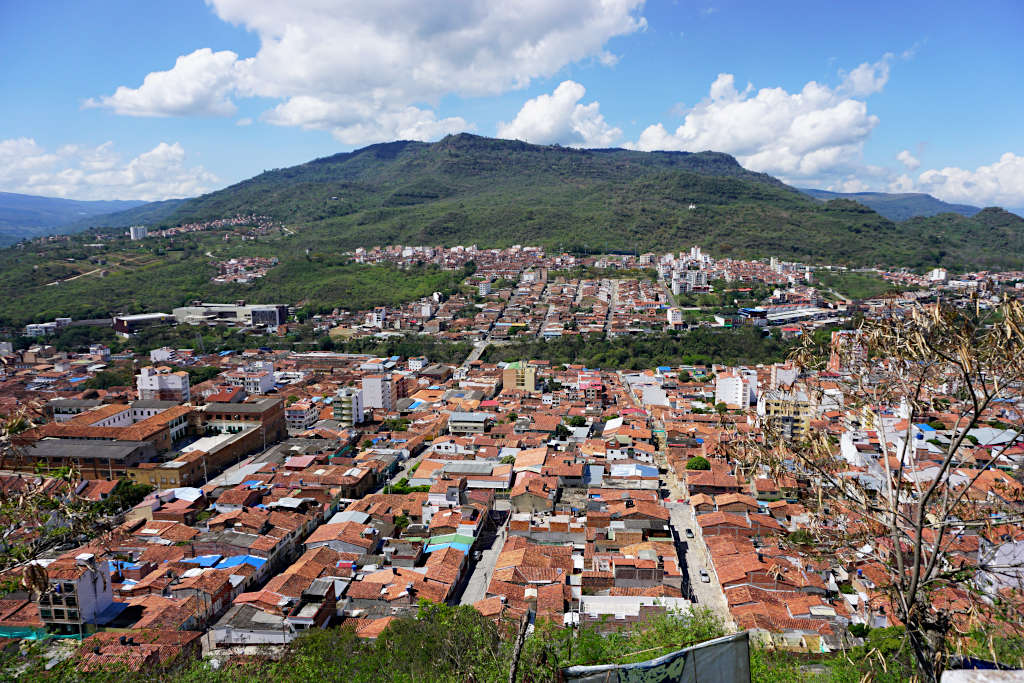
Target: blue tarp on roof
(225,353)
(120,565)
(74,380)
(236,560)
(204,560)
(925,428)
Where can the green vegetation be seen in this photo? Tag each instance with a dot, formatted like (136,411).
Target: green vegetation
(111,378)
(700,346)
(855,285)
(698,463)
(402,487)
(801,537)
(469,189)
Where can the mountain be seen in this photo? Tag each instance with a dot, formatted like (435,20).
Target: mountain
(24,215)
(897,207)
(470,189)
(466,189)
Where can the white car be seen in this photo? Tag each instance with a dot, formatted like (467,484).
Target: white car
(704,576)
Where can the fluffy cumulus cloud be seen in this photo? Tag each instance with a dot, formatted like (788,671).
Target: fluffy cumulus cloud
(908,160)
(372,71)
(1001,183)
(807,134)
(560,118)
(83,172)
(199,84)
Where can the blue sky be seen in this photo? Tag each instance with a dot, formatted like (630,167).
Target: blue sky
(151,100)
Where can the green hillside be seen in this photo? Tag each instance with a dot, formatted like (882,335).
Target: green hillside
(466,189)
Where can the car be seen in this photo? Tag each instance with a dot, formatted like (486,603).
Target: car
(704,576)
(689,533)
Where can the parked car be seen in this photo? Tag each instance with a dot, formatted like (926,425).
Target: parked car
(704,576)
(689,533)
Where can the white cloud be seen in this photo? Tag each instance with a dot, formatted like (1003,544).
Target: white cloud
(199,84)
(867,79)
(560,118)
(82,172)
(816,132)
(1001,183)
(244,121)
(362,68)
(908,160)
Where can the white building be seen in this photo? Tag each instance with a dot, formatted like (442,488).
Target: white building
(164,354)
(348,406)
(675,316)
(162,384)
(378,392)
(301,415)
(732,390)
(938,275)
(77,594)
(138,232)
(417,363)
(255,381)
(484,288)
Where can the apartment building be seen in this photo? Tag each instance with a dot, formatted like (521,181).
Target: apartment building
(790,412)
(162,384)
(348,406)
(519,376)
(378,392)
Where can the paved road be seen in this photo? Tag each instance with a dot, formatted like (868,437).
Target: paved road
(476,588)
(708,595)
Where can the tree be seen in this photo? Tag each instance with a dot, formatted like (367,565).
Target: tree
(561,432)
(577,421)
(685,377)
(721,408)
(910,527)
(698,463)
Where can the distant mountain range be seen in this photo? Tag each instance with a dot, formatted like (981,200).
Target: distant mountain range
(897,207)
(467,189)
(23,215)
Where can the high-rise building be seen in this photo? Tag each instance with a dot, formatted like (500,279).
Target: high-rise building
(378,392)
(732,390)
(348,406)
(519,376)
(138,232)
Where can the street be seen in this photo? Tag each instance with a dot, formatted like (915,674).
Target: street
(476,588)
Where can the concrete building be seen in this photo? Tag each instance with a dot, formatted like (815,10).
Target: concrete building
(255,381)
(238,313)
(484,288)
(675,317)
(138,232)
(378,392)
(162,384)
(790,412)
(732,390)
(519,376)
(467,423)
(348,406)
(301,415)
(79,595)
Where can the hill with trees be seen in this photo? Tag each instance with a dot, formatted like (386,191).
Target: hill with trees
(471,189)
